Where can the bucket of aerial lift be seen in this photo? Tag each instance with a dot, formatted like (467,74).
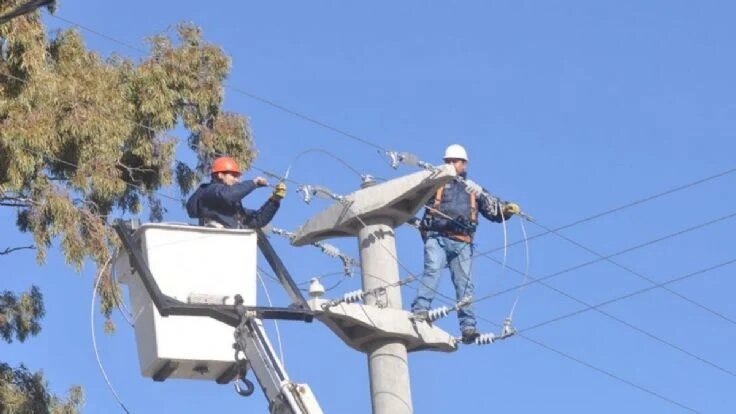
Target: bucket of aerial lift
(194,265)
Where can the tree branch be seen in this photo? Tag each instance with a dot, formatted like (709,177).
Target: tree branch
(9,250)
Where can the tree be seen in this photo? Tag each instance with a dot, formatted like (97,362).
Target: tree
(22,391)
(85,139)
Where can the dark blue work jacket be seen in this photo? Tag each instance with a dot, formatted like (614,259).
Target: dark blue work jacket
(221,203)
(454,214)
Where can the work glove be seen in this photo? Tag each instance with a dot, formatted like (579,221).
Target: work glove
(279,191)
(509,209)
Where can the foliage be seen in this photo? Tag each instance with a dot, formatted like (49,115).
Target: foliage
(20,316)
(84,138)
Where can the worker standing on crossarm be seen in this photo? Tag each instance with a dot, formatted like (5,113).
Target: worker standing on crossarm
(448,226)
(218,203)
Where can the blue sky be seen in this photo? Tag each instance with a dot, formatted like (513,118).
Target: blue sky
(569,109)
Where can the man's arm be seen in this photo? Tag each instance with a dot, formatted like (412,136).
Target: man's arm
(255,219)
(492,207)
(229,194)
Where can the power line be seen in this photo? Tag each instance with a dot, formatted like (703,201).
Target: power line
(629,295)
(622,207)
(638,274)
(608,373)
(600,259)
(636,328)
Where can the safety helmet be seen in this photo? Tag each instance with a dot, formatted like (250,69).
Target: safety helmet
(456,152)
(225,164)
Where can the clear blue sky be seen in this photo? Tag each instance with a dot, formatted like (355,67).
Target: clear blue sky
(569,108)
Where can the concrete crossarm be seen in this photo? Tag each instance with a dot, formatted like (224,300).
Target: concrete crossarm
(393,202)
(359,325)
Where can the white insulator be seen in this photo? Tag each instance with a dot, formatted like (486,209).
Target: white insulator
(438,313)
(426,165)
(354,296)
(485,339)
(282,232)
(472,187)
(329,249)
(306,191)
(395,159)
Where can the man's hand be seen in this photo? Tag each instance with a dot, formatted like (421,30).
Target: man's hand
(260,181)
(279,191)
(509,209)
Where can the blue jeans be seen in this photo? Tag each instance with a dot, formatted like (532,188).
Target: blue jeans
(439,252)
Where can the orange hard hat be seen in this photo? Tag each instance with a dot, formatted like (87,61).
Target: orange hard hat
(225,164)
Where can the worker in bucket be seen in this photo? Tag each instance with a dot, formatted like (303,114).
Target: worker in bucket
(218,203)
(447,227)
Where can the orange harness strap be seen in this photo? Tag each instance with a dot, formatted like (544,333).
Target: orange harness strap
(473,215)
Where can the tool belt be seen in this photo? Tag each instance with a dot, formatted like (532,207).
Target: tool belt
(458,237)
(462,237)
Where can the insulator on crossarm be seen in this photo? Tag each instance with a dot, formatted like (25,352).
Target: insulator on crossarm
(438,313)
(485,339)
(353,297)
(282,232)
(350,297)
(328,249)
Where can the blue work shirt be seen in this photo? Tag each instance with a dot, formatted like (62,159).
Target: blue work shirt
(455,208)
(222,203)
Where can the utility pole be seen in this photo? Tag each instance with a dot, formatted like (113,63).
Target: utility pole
(388,365)
(378,327)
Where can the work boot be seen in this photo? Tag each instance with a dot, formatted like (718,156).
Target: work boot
(470,334)
(420,315)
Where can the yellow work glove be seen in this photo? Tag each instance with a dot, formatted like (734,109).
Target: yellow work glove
(279,191)
(509,209)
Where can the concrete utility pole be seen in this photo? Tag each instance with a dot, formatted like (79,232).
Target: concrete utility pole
(379,327)
(387,358)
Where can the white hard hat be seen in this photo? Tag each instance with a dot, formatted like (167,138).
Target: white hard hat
(457,152)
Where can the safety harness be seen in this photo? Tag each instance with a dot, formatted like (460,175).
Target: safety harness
(463,237)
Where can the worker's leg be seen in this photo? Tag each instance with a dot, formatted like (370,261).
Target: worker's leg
(461,254)
(435,259)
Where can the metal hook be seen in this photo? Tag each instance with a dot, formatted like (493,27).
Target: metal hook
(508,329)
(247,391)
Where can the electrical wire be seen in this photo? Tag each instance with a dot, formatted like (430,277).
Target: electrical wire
(633,327)
(526,270)
(634,203)
(275,322)
(94,338)
(638,274)
(600,259)
(629,295)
